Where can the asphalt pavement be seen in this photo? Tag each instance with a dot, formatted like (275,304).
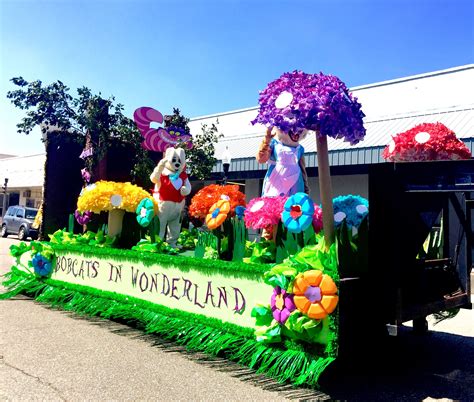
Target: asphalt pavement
(47,354)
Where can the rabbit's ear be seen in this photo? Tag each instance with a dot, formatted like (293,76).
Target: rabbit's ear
(169,153)
(181,154)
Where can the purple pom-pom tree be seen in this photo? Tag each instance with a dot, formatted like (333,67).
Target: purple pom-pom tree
(296,102)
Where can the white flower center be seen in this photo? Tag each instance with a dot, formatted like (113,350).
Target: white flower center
(116,200)
(283,100)
(423,137)
(391,146)
(225,197)
(258,205)
(361,209)
(339,217)
(143,212)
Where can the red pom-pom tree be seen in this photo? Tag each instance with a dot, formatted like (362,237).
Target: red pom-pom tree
(426,142)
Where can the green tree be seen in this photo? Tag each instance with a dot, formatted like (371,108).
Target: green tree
(53,107)
(200,158)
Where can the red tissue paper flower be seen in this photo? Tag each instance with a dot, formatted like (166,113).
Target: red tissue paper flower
(426,142)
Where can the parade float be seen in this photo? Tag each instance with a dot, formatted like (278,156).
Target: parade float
(288,303)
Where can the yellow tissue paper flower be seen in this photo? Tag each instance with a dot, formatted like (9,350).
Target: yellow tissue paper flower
(109,195)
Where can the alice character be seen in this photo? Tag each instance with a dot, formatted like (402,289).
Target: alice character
(286,174)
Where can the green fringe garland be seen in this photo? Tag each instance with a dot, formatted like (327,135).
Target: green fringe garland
(198,333)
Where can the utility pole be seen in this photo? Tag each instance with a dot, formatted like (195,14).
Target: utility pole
(5,188)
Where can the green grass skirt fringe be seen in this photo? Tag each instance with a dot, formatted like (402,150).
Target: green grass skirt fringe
(212,337)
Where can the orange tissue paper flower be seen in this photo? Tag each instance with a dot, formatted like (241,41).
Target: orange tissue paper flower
(315,294)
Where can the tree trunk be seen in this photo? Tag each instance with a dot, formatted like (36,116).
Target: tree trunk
(325,188)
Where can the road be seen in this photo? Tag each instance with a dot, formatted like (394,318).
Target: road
(53,355)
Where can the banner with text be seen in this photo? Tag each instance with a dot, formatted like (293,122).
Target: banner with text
(221,295)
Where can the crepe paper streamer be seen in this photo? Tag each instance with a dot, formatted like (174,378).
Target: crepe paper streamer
(426,142)
(217,214)
(298,213)
(158,139)
(315,294)
(145,212)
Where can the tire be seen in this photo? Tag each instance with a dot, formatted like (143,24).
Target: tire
(4,231)
(22,234)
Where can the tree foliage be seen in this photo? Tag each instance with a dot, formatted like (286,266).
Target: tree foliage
(200,158)
(178,120)
(52,107)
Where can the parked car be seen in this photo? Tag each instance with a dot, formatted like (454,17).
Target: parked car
(18,220)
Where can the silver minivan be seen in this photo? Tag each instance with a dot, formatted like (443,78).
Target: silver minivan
(18,220)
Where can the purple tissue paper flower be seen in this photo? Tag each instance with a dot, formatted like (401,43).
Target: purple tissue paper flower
(86,153)
(84,218)
(298,101)
(282,304)
(86,176)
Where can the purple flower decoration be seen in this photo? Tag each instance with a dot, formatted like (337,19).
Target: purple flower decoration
(41,265)
(298,101)
(84,218)
(86,176)
(282,304)
(86,153)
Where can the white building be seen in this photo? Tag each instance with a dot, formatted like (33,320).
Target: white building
(390,107)
(25,176)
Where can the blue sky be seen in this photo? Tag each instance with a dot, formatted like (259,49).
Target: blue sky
(212,56)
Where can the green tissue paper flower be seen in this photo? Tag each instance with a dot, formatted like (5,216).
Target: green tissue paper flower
(145,212)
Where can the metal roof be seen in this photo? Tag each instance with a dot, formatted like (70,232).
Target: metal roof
(378,134)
